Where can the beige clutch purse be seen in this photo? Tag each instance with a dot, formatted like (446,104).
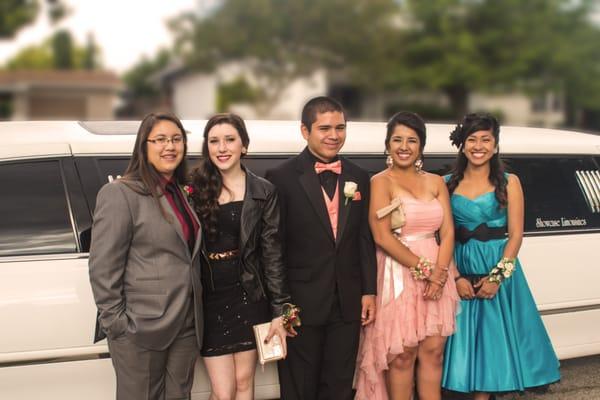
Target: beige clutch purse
(396,211)
(267,352)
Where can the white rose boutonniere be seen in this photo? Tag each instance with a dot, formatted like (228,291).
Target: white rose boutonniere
(349,191)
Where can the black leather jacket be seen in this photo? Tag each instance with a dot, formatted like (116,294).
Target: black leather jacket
(262,269)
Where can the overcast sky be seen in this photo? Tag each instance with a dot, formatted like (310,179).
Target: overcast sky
(124,29)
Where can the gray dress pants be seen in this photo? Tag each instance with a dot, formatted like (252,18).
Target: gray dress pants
(144,374)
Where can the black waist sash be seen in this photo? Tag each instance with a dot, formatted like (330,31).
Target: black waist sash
(482,233)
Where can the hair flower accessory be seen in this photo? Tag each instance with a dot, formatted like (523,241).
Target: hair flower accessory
(456,136)
(349,191)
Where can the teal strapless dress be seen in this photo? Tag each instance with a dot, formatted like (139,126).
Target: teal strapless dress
(500,345)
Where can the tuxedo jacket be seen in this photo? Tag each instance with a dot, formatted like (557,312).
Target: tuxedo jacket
(143,275)
(320,267)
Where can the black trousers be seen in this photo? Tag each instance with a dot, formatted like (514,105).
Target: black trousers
(321,360)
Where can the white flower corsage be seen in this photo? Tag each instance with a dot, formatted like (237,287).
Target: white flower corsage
(349,190)
(503,270)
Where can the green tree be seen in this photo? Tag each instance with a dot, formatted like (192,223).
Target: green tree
(285,39)
(90,55)
(58,51)
(62,48)
(16,14)
(458,46)
(452,46)
(138,78)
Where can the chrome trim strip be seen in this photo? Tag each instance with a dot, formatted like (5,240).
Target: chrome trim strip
(560,232)
(567,310)
(44,257)
(593,196)
(54,360)
(585,190)
(69,206)
(594,178)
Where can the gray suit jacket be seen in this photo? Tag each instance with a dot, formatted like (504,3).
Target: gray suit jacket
(143,277)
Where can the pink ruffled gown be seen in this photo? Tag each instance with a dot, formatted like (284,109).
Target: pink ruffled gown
(404,317)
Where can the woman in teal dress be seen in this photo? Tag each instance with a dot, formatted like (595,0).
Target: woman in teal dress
(500,344)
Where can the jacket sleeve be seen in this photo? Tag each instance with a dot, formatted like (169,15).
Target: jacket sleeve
(367,245)
(272,257)
(111,239)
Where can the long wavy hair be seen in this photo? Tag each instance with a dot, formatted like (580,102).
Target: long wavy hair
(470,124)
(206,177)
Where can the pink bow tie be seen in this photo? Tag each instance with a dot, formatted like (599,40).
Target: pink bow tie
(335,167)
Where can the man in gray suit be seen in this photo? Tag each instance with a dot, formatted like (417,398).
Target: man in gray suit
(145,270)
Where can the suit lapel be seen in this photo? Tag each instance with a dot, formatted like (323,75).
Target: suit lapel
(198,240)
(174,222)
(344,207)
(310,183)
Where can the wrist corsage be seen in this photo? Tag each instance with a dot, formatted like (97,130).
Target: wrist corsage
(422,270)
(290,316)
(503,270)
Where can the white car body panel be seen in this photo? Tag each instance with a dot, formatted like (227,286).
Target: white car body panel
(48,313)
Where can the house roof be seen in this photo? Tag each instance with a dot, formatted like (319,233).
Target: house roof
(59,79)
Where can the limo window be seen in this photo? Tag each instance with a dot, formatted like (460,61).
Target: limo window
(554,200)
(34,210)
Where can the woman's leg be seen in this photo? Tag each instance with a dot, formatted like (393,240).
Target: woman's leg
(401,373)
(481,396)
(221,372)
(429,370)
(245,366)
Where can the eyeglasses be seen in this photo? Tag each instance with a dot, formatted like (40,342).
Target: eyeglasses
(163,140)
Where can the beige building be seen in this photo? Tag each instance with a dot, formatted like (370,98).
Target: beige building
(59,94)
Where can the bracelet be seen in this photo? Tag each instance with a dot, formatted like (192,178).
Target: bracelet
(503,270)
(290,316)
(422,270)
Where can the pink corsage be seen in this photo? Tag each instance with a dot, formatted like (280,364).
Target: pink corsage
(422,270)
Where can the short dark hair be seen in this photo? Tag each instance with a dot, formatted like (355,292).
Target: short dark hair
(411,120)
(319,105)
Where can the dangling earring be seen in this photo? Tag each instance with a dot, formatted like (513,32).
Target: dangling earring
(419,165)
(389,161)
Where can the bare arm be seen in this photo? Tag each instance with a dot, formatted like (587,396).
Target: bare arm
(516,215)
(446,229)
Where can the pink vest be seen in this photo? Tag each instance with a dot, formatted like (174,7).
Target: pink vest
(333,206)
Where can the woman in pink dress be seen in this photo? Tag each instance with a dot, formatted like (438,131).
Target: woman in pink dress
(417,298)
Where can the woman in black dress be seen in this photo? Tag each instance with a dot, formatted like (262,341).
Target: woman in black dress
(242,273)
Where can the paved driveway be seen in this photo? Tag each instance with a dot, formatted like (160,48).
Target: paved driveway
(580,381)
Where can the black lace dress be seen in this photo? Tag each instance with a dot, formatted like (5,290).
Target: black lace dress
(228,313)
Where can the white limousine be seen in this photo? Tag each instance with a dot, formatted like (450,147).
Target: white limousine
(50,173)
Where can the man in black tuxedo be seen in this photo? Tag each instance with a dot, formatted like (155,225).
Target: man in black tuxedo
(329,254)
